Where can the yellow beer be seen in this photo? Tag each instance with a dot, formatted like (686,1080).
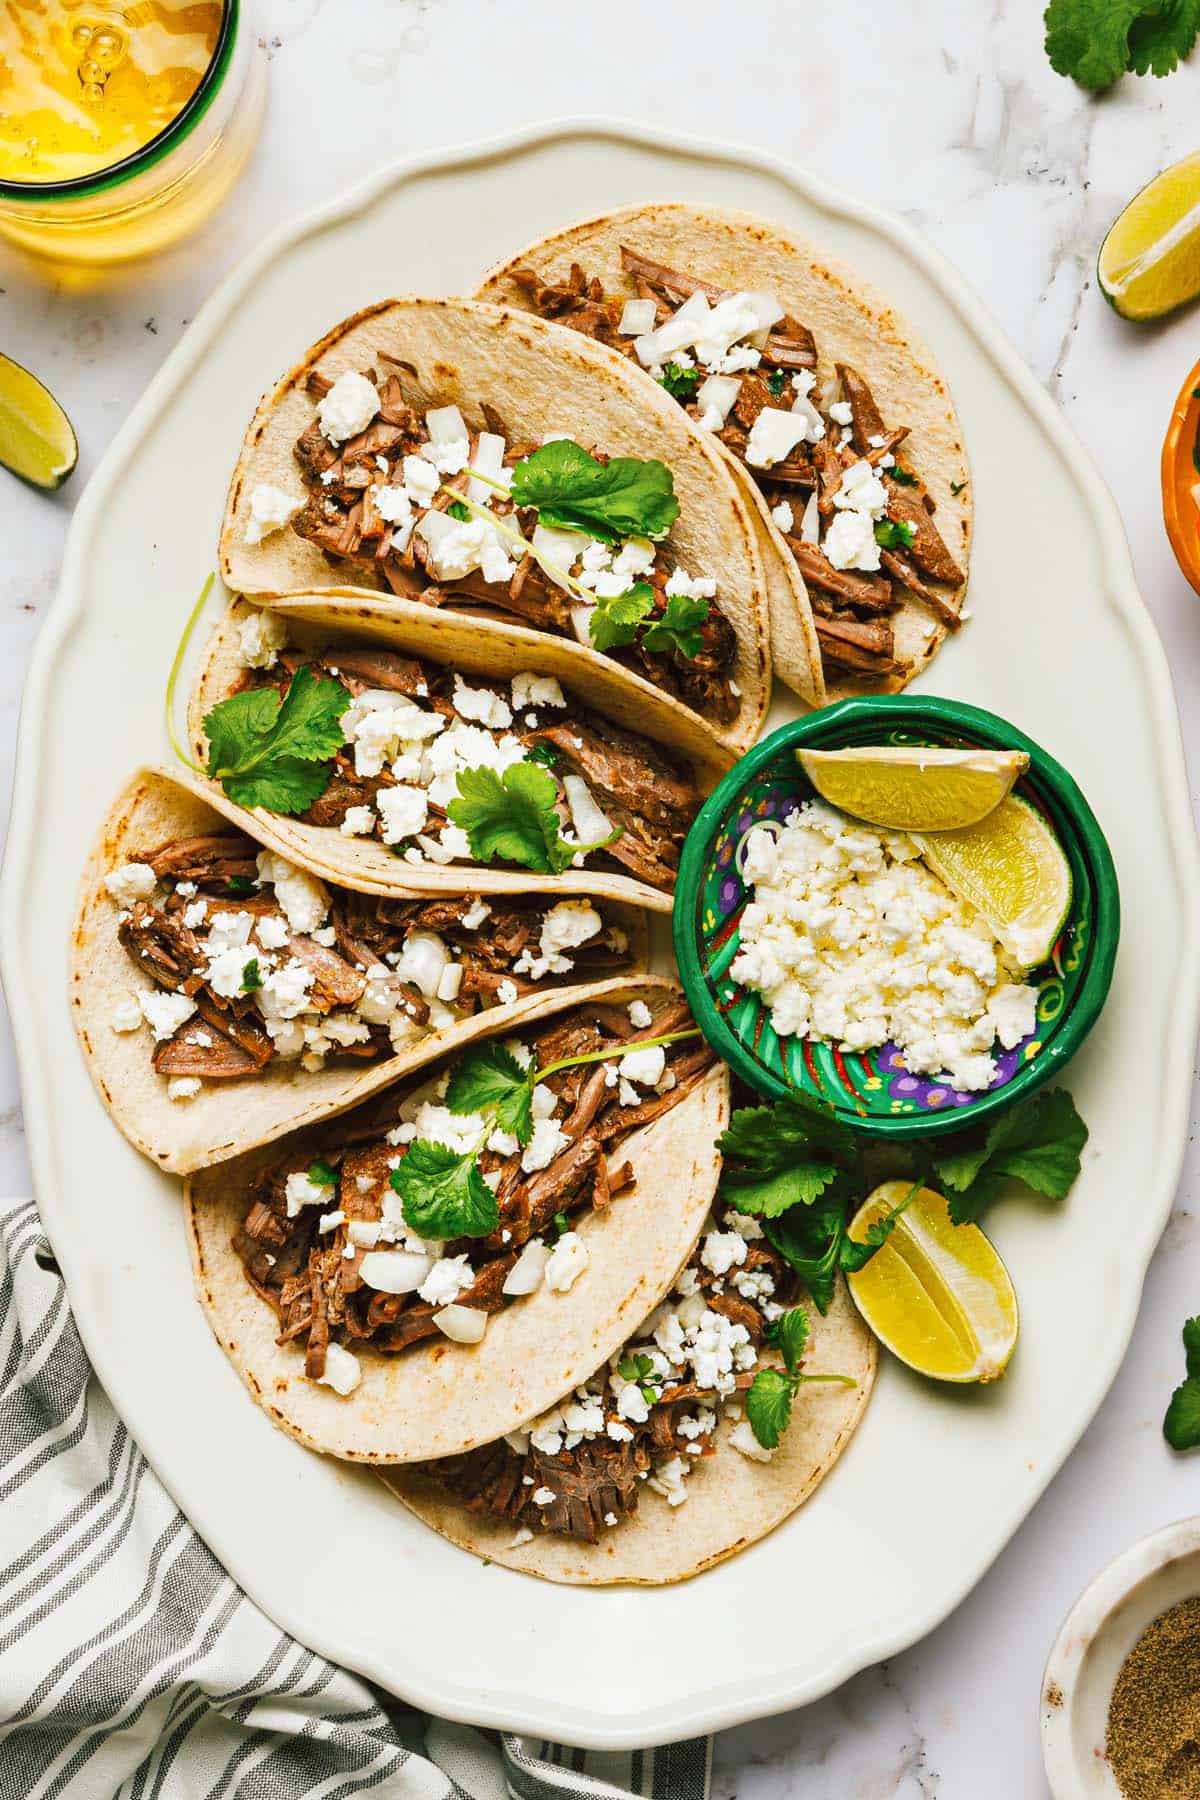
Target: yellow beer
(121,126)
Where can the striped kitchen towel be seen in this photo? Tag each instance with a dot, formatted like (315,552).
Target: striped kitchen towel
(132,1667)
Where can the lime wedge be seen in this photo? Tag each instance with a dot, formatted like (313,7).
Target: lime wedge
(1012,869)
(914,787)
(936,1294)
(37,441)
(1150,261)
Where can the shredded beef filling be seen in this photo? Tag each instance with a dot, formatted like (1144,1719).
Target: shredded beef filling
(226,1039)
(311,1278)
(597,1483)
(651,798)
(341,519)
(851,611)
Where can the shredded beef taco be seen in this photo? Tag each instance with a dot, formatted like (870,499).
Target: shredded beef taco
(410,752)
(829,409)
(656,1468)
(423,1274)
(474,460)
(224,996)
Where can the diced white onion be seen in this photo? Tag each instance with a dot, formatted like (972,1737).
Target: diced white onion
(423,961)
(489,460)
(561,548)
(451,981)
(433,526)
(526,1273)
(445,425)
(810,524)
(463,1324)
(591,824)
(719,392)
(767,310)
(637,317)
(394,1271)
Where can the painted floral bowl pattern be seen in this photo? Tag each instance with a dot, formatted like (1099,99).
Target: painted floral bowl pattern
(873,1090)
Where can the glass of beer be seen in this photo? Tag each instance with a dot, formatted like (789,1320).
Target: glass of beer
(121,125)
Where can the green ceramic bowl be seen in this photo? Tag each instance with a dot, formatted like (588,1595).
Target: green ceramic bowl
(872,1090)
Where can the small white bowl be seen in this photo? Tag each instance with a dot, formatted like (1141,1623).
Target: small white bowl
(1100,1631)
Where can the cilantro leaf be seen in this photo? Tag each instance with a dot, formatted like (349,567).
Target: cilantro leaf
(443,1194)
(1037,1142)
(798,1185)
(277,753)
(906,478)
(562,1224)
(679,382)
(956,488)
(1181,1427)
(777,381)
(678,628)
(1096,41)
(769,1406)
(239,884)
(811,1240)
(1191,1346)
(513,817)
(624,497)
(490,1079)
(321,1175)
(894,534)
(768,1139)
(457,510)
(615,618)
(545,754)
(789,1334)
(635,1368)
(251,976)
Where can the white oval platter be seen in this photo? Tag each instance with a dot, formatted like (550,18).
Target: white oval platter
(936,1481)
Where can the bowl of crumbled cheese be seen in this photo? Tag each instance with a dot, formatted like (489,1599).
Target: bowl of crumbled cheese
(824,956)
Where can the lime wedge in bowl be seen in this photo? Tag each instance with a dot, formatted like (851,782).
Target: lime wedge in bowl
(937,1294)
(1150,261)
(1012,869)
(37,441)
(913,787)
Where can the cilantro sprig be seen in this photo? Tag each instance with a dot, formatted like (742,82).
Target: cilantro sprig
(773,1391)
(573,491)
(488,1078)
(1097,41)
(640,498)
(679,382)
(277,752)
(626,619)
(514,816)
(442,1192)
(1181,1427)
(801,1171)
(894,534)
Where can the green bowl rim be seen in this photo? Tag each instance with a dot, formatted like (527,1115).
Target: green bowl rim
(992,731)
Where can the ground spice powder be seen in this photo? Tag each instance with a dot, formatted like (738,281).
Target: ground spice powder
(1153,1740)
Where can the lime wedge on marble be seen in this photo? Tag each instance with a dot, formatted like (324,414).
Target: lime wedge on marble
(1150,261)
(1012,869)
(913,787)
(37,441)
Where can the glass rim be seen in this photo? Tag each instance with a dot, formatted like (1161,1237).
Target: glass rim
(79,187)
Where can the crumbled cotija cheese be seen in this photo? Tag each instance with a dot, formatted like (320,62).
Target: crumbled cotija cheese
(850,938)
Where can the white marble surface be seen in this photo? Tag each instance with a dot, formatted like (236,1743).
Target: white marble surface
(950,116)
